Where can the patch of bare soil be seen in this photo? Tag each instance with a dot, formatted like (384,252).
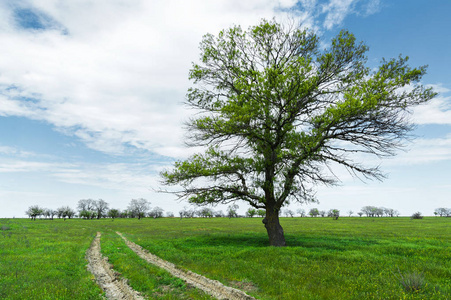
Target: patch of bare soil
(212,287)
(244,285)
(106,277)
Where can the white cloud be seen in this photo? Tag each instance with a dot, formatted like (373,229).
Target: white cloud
(14,166)
(436,111)
(12,151)
(425,151)
(337,10)
(118,176)
(119,75)
(134,176)
(372,7)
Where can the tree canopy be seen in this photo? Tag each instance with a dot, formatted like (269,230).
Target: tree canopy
(275,112)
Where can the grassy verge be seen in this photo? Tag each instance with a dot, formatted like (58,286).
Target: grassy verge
(45,260)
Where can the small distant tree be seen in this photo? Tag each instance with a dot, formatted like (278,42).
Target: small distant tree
(100,208)
(206,212)
(314,212)
(114,213)
(138,207)
(46,212)
(124,214)
(360,213)
(61,212)
(373,211)
(322,213)
(387,211)
(65,212)
(34,211)
(156,212)
(187,213)
(219,214)
(261,213)
(85,205)
(53,212)
(390,212)
(350,212)
(69,212)
(334,213)
(169,214)
(301,212)
(366,210)
(251,212)
(232,211)
(85,214)
(380,211)
(289,213)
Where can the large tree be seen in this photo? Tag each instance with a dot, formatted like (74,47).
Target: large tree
(275,112)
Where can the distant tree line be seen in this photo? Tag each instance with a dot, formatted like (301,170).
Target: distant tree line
(373,211)
(64,212)
(369,211)
(96,209)
(231,212)
(140,208)
(442,212)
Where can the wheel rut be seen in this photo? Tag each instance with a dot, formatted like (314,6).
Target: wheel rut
(109,280)
(212,287)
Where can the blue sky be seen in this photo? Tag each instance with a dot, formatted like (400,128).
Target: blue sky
(91,93)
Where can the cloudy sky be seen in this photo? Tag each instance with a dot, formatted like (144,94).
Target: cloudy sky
(91,95)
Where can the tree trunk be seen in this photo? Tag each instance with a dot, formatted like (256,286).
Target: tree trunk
(275,231)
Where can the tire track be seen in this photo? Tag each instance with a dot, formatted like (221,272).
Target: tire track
(212,287)
(108,279)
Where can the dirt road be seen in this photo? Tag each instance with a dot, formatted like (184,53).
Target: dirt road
(117,288)
(212,287)
(106,277)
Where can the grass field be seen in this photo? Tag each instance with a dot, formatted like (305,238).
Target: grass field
(351,258)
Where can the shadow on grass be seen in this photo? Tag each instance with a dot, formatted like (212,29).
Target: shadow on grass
(261,240)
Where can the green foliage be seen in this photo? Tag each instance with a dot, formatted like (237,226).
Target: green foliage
(34,211)
(251,212)
(334,213)
(276,110)
(313,212)
(417,215)
(261,213)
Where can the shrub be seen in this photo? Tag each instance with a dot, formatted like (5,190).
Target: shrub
(412,282)
(417,215)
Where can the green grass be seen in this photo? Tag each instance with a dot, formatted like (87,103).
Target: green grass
(45,260)
(151,281)
(350,258)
